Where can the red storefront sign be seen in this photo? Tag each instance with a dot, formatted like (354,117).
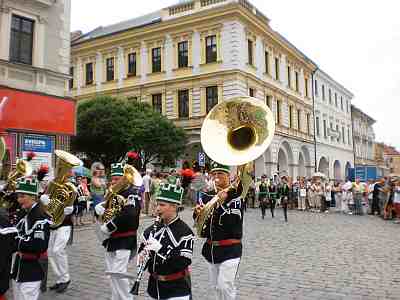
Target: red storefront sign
(25,111)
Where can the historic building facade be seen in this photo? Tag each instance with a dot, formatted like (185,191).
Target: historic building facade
(186,58)
(333,128)
(36,112)
(363,137)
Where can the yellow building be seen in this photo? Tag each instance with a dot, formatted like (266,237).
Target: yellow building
(392,158)
(186,58)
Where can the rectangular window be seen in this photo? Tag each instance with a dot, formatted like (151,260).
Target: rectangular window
(308,124)
(325,132)
(298,120)
(156,59)
(132,64)
(288,76)
(251,92)
(278,112)
(267,62)
(338,134)
(343,137)
(71,81)
(348,136)
(341,102)
(317,125)
(296,77)
(268,101)
(211,97)
(306,86)
(211,49)
(290,116)
(183,103)
(21,40)
(89,73)
(316,88)
(183,55)
(110,68)
(156,101)
(330,96)
(336,102)
(347,106)
(250,52)
(323,92)
(277,68)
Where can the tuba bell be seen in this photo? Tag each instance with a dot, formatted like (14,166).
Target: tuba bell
(234,133)
(61,193)
(23,168)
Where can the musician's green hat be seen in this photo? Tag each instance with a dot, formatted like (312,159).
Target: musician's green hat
(170,193)
(27,185)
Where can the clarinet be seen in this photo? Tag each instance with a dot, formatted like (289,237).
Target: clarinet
(143,265)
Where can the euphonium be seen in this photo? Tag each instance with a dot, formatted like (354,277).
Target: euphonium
(61,193)
(114,202)
(234,133)
(23,168)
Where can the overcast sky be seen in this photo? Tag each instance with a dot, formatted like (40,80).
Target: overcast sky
(355,42)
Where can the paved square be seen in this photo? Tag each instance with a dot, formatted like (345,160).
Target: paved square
(313,256)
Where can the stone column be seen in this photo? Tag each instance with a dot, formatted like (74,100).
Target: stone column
(169,53)
(143,62)
(196,52)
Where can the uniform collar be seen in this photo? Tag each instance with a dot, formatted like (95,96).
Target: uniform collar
(173,221)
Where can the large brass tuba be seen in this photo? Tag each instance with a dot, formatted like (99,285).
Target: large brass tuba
(23,168)
(61,193)
(114,202)
(234,133)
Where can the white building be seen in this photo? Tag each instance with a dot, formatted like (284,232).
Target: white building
(333,127)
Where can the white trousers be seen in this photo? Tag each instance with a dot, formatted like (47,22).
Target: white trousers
(57,253)
(222,278)
(26,290)
(117,262)
(301,202)
(178,298)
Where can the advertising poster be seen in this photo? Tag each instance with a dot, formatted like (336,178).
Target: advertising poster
(43,147)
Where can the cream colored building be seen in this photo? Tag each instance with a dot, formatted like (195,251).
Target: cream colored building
(186,58)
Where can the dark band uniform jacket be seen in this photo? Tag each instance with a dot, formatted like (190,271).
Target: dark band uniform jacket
(7,246)
(169,268)
(226,226)
(124,225)
(31,244)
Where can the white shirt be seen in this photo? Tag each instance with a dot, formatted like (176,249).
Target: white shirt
(146,183)
(396,198)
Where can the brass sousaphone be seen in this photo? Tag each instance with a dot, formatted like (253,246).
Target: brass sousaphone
(234,133)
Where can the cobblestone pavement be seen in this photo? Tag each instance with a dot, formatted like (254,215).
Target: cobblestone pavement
(313,256)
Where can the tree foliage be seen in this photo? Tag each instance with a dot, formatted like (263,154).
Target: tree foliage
(108,127)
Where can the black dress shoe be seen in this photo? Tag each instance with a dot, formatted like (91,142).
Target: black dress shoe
(54,287)
(63,286)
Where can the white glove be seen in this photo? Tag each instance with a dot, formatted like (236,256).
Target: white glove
(45,199)
(81,198)
(68,210)
(104,229)
(153,245)
(99,208)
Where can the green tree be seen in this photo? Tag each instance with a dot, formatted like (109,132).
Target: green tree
(108,127)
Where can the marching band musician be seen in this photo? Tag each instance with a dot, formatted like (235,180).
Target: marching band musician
(263,195)
(60,236)
(170,246)
(121,241)
(224,230)
(31,242)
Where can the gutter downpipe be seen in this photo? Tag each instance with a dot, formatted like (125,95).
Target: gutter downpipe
(313,101)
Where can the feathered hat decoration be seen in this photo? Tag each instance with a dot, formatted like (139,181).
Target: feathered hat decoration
(30,156)
(42,172)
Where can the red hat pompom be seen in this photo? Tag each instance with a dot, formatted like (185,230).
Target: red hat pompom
(43,170)
(30,156)
(133,155)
